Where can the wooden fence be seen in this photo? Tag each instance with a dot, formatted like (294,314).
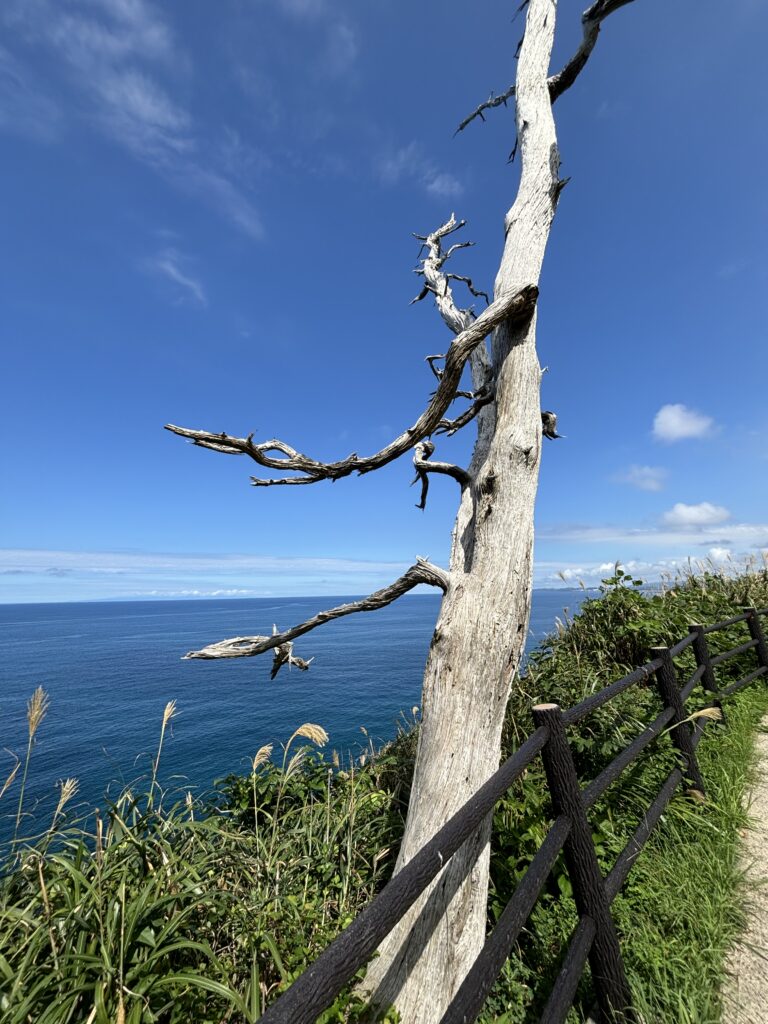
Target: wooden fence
(595,936)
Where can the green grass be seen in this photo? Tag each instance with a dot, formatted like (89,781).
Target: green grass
(690,883)
(168,908)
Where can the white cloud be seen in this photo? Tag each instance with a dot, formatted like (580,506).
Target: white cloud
(444,186)
(168,264)
(677,422)
(703,514)
(646,478)
(410,163)
(551,573)
(720,554)
(220,592)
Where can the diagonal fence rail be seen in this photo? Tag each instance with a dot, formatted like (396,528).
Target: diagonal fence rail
(594,938)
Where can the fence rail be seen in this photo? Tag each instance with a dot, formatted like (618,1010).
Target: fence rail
(594,938)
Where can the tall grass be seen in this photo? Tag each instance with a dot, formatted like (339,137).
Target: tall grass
(168,908)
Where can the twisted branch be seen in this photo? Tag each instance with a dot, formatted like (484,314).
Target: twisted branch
(591,20)
(457,319)
(481,398)
(515,307)
(249,646)
(423,452)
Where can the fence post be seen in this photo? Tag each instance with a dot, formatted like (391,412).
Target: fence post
(666,681)
(755,627)
(605,959)
(701,651)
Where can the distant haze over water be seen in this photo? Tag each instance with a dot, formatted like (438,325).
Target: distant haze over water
(110,667)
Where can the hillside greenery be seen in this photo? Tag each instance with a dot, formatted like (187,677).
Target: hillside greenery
(171,908)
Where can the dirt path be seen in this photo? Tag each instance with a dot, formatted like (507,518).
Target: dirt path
(745,999)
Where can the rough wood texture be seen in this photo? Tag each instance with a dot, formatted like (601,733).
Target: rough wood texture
(608,976)
(755,627)
(568,978)
(474,990)
(666,681)
(483,621)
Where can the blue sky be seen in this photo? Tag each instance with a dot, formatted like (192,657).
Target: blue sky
(207,220)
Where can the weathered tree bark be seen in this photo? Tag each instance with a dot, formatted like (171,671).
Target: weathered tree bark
(483,620)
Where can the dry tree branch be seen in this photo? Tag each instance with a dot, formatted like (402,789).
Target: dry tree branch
(481,398)
(249,646)
(515,307)
(591,20)
(423,452)
(457,319)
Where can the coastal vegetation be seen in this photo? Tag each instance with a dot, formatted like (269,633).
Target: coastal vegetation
(167,907)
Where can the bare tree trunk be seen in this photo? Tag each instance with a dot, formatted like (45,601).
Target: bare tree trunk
(483,622)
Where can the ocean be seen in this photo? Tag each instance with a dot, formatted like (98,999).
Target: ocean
(109,669)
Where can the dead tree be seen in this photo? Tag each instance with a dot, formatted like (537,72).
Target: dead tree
(483,621)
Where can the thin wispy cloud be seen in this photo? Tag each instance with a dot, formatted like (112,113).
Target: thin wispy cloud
(687,537)
(645,478)
(342,48)
(114,51)
(303,8)
(410,164)
(337,53)
(142,117)
(678,423)
(24,107)
(169,265)
(40,560)
(34,575)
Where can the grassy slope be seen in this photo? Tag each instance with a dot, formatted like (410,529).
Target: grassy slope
(191,913)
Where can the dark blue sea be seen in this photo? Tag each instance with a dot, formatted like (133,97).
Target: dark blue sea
(110,668)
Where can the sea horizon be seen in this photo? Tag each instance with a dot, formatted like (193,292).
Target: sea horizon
(110,667)
(234,599)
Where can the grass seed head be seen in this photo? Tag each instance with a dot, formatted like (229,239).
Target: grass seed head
(67,789)
(169,712)
(315,733)
(263,754)
(37,708)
